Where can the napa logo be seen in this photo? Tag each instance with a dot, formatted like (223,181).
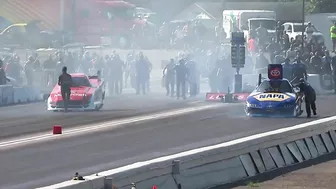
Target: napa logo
(271,97)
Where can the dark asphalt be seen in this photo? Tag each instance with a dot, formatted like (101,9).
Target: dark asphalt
(55,161)
(30,118)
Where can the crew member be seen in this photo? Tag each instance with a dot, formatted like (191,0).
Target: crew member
(169,77)
(193,77)
(65,81)
(116,74)
(310,97)
(181,77)
(142,74)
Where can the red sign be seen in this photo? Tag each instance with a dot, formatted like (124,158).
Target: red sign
(214,96)
(219,96)
(154,187)
(241,96)
(275,71)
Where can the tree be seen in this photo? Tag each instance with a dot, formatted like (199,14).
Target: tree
(313,6)
(322,6)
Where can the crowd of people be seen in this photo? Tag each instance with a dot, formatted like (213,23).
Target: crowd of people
(183,73)
(310,52)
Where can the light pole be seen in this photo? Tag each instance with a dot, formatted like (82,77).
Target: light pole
(303,25)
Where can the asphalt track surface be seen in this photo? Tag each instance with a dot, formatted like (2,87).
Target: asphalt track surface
(31,118)
(47,163)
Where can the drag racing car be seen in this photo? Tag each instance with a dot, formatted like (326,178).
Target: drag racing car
(274,96)
(87,94)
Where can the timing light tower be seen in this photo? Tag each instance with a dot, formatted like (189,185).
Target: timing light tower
(238,58)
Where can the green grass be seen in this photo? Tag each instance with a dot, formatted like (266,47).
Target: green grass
(253,184)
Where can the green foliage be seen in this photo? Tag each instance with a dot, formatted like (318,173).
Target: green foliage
(253,184)
(313,6)
(322,6)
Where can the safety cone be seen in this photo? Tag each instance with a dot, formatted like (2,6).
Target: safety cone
(57,129)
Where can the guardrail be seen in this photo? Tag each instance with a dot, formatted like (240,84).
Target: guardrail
(220,164)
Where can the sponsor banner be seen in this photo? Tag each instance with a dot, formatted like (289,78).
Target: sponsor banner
(219,96)
(278,97)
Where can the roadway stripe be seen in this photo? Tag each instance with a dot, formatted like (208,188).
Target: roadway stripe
(88,129)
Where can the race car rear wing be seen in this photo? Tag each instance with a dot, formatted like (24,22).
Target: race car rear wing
(93,77)
(98,76)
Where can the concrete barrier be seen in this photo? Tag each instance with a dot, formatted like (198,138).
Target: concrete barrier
(26,94)
(6,95)
(222,163)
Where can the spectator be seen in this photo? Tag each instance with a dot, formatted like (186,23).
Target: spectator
(29,70)
(273,48)
(3,79)
(316,63)
(333,35)
(252,48)
(285,41)
(13,68)
(279,32)
(310,29)
(262,34)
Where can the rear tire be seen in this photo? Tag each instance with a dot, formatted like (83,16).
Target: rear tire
(99,107)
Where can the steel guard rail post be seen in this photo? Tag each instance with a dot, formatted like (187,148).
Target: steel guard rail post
(234,156)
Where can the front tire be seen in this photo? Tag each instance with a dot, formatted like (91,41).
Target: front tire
(298,109)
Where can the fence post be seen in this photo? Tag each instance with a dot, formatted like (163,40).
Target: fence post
(176,167)
(108,184)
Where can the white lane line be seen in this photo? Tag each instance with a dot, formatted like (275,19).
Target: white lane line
(102,126)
